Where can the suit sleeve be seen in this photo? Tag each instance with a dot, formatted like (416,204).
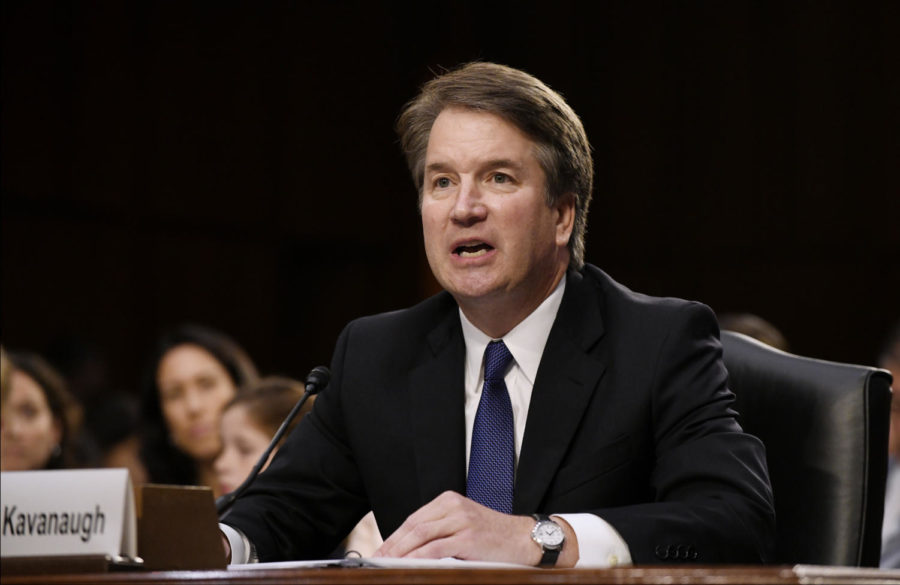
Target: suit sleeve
(711,496)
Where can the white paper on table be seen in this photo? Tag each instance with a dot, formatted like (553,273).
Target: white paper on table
(382,563)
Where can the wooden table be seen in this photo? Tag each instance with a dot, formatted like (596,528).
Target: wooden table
(720,575)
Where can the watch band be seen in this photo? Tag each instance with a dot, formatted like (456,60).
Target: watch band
(550,555)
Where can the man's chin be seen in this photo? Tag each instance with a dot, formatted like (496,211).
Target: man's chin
(467,293)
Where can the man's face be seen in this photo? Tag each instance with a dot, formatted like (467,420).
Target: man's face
(489,234)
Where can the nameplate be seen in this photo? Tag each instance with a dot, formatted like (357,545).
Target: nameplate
(67,513)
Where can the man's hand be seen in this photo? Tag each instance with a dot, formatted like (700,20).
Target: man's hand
(452,525)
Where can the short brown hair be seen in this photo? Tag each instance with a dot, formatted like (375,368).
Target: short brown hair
(527,103)
(269,400)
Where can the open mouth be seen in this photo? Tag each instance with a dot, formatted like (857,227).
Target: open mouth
(472,250)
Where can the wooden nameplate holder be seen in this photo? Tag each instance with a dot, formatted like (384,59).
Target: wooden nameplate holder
(178,529)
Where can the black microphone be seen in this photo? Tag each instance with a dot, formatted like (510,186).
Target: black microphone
(316,381)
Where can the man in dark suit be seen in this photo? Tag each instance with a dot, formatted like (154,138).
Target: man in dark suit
(534,385)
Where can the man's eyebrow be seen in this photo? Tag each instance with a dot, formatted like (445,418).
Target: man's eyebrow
(502,162)
(439,166)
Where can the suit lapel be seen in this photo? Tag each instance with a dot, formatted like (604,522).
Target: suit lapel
(565,382)
(437,397)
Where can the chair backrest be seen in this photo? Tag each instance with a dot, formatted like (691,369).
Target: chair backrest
(825,428)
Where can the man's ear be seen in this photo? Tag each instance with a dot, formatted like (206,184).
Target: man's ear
(565,218)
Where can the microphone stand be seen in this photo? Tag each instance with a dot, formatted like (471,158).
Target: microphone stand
(316,381)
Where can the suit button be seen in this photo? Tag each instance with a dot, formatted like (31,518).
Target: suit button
(681,552)
(661,552)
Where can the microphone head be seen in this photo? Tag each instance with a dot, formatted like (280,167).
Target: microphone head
(317,379)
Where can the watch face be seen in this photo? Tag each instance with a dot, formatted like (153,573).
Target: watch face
(549,534)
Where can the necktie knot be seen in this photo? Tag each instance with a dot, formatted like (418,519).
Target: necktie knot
(496,360)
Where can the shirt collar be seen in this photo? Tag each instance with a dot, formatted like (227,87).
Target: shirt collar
(525,341)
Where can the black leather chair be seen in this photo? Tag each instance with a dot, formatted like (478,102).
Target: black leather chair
(825,427)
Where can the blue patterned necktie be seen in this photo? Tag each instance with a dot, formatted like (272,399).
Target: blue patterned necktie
(492,459)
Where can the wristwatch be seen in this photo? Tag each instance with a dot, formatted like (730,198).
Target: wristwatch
(550,537)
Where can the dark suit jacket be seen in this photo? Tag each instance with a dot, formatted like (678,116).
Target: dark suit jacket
(630,419)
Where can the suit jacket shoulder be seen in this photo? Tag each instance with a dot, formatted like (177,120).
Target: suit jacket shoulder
(632,419)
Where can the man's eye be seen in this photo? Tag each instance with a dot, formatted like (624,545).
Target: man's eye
(442,183)
(501,178)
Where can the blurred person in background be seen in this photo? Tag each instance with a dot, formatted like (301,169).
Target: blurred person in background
(40,418)
(890,531)
(195,371)
(249,422)
(5,369)
(115,430)
(755,327)
(85,366)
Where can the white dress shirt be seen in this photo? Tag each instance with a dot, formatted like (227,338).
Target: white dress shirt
(599,544)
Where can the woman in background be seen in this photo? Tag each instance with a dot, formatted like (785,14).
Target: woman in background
(194,372)
(890,528)
(40,418)
(250,421)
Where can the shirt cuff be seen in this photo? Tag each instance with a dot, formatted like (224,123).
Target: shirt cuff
(599,544)
(242,550)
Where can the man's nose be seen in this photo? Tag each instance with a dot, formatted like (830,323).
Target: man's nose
(469,206)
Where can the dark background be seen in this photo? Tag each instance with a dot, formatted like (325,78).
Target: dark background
(234,164)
